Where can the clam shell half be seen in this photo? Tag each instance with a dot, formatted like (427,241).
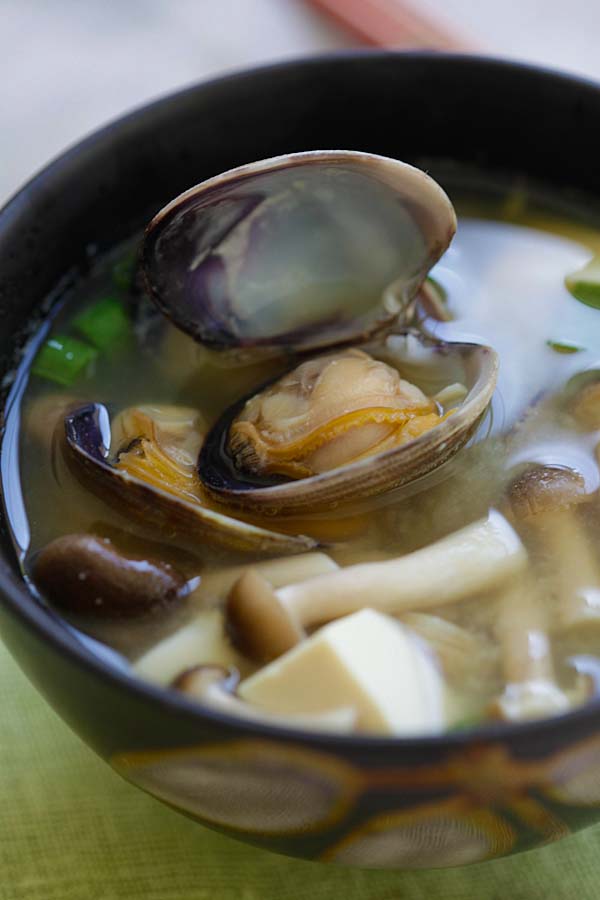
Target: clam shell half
(303,251)
(374,475)
(87,432)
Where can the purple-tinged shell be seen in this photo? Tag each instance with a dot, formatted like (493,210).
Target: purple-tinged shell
(87,441)
(346,485)
(302,251)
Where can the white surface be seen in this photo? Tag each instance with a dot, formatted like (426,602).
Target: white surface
(67,66)
(559,33)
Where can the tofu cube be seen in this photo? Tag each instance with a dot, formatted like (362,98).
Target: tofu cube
(201,641)
(366,660)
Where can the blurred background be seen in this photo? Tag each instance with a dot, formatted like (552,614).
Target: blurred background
(68,66)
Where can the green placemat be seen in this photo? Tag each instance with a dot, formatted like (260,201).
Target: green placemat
(72,830)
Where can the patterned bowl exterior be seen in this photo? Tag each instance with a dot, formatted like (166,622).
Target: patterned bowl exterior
(430,802)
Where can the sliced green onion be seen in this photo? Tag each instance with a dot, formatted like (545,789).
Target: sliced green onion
(473,721)
(564,347)
(105,324)
(124,270)
(64,359)
(584,284)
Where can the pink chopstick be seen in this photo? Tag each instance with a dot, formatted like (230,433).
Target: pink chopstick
(391,23)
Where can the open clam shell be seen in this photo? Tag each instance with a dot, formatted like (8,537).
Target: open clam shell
(373,475)
(87,432)
(303,251)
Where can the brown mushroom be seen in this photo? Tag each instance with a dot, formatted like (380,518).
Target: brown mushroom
(585,406)
(216,685)
(264,623)
(86,574)
(543,501)
(282,570)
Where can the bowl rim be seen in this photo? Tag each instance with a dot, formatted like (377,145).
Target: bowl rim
(21,603)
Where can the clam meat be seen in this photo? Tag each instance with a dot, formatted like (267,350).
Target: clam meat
(344,427)
(150,473)
(328,412)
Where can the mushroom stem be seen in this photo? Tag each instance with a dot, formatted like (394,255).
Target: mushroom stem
(264,623)
(463,655)
(575,569)
(474,559)
(215,686)
(278,572)
(531,690)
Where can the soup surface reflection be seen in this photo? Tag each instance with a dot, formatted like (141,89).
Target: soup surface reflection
(470,595)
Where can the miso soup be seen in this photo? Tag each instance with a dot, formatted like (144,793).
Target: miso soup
(465,595)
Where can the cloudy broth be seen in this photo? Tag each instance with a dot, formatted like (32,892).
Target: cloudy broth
(504,284)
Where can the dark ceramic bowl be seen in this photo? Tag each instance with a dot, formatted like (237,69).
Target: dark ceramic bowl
(364,801)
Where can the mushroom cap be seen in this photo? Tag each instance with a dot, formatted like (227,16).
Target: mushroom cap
(199,680)
(87,574)
(545,489)
(585,406)
(257,622)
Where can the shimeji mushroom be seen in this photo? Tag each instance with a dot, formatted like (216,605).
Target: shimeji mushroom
(203,638)
(263,623)
(215,584)
(584,405)
(216,685)
(465,656)
(87,574)
(543,502)
(531,691)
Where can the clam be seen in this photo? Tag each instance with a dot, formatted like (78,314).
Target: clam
(341,428)
(319,253)
(305,251)
(329,411)
(151,474)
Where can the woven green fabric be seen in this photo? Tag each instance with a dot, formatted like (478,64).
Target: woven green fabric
(70,829)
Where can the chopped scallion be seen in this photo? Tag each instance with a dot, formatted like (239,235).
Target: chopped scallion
(464,724)
(105,324)
(124,270)
(584,284)
(64,359)
(564,347)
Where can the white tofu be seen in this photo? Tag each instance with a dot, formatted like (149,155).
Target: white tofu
(202,641)
(368,661)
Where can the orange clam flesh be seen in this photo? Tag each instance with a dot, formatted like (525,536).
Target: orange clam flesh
(150,471)
(160,446)
(330,411)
